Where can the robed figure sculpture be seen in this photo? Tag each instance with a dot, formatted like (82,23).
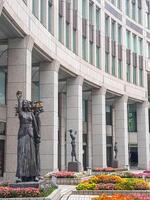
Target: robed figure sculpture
(28,158)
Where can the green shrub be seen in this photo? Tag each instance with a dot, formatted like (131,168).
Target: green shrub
(86,186)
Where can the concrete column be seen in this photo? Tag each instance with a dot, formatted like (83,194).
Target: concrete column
(19,78)
(74,116)
(121,132)
(90,132)
(62,130)
(49,118)
(143,135)
(99,128)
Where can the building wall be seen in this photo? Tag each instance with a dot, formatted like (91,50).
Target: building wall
(79,35)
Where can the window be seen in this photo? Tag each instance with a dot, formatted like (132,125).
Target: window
(3,77)
(67,35)
(148,20)
(119,69)
(140,49)
(134,47)
(128,40)
(119,35)
(91,53)
(106,62)
(119,4)
(85,110)
(141,77)
(113,66)
(97,19)
(74,41)
(60,29)
(107,26)
(2,146)
(84,9)
(128,7)
(109,115)
(35,83)
(128,73)
(133,10)
(50,16)
(42,17)
(84,49)
(113,30)
(139,15)
(132,118)
(134,75)
(97,57)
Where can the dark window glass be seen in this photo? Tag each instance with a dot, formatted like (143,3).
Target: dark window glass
(109,115)
(2,128)
(2,142)
(3,75)
(132,118)
(35,84)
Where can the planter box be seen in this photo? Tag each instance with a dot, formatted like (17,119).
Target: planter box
(68,181)
(109,192)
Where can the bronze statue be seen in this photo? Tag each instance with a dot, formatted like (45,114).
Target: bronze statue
(73,144)
(115,150)
(28,162)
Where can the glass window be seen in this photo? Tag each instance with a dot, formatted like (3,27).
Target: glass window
(74,41)
(35,83)
(140,41)
(60,29)
(97,19)
(113,66)
(85,110)
(67,35)
(132,118)
(107,26)
(119,35)
(97,57)
(141,77)
(2,128)
(2,145)
(3,75)
(106,62)
(91,52)
(128,73)
(128,7)
(113,30)
(49,16)
(108,115)
(42,12)
(119,4)
(134,47)
(148,20)
(90,13)
(133,11)
(84,49)
(119,69)
(134,75)
(128,40)
(139,15)
(84,9)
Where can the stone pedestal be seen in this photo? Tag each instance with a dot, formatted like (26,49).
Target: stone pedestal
(74,166)
(39,184)
(115,163)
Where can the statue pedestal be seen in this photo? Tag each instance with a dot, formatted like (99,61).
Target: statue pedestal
(74,166)
(38,184)
(115,163)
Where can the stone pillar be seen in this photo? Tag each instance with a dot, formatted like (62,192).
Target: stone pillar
(49,118)
(62,130)
(19,78)
(90,132)
(74,116)
(121,131)
(99,128)
(143,135)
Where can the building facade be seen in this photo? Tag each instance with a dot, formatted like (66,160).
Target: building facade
(88,61)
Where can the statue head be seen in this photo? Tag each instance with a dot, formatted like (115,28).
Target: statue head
(26,106)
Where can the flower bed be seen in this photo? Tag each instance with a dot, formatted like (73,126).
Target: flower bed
(8,192)
(111,182)
(122,197)
(107,169)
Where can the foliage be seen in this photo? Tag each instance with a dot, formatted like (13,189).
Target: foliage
(86,186)
(8,192)
(115,197)
(105,186)
(61,174)
(132,184)
(105,179)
